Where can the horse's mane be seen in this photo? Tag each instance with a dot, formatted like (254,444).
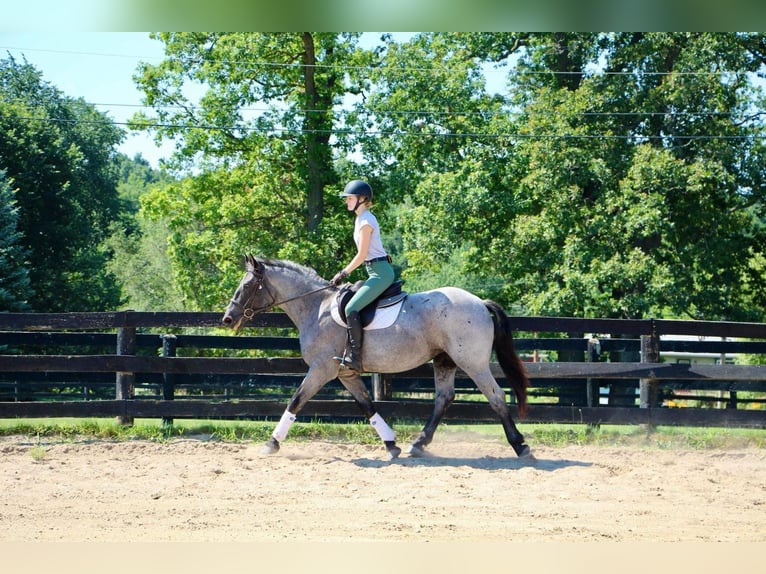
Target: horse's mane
(302,270)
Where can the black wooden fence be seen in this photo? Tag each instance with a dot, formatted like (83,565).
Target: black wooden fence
(137,364)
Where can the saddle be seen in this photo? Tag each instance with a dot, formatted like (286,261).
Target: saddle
(391,296)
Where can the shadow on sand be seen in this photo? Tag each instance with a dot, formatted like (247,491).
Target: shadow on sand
(482,463)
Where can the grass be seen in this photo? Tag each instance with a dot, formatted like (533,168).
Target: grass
(553,435)
(696,438)
(38,451)
(65,429)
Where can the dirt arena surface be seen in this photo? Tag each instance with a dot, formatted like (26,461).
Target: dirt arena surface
(472,488)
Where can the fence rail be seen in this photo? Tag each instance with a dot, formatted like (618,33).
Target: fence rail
(126,365)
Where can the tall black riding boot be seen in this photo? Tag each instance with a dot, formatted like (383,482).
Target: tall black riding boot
(352,356)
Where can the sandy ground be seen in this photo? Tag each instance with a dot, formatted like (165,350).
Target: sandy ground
(472,488)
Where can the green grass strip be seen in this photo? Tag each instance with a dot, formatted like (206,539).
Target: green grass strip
(551,435)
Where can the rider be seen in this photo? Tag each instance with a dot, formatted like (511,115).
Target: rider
(377,262)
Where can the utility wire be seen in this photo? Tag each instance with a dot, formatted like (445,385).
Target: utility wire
(420,114)
(437,113)
(379,133)
(254,64)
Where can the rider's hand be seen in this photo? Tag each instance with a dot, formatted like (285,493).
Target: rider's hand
(339,277)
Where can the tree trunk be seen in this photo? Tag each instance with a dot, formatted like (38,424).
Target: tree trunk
(312,133)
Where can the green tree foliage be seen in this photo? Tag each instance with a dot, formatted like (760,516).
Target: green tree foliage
(14,276)
(264,94)
(259,135)
(622,175)
(141,265)
(58,152)
(642,206)
(437,155)
(135,176)
(216,217)
(139,245)
(625,178)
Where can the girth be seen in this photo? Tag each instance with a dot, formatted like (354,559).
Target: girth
(391,296)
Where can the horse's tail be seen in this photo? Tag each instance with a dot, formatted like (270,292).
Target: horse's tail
(506,355)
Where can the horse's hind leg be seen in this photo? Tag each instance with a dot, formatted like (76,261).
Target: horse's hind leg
(444,386)
(354,384)
(496,397)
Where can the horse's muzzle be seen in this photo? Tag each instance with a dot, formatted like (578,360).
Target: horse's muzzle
(229,321)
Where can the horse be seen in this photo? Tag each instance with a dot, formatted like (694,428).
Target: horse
(449,326)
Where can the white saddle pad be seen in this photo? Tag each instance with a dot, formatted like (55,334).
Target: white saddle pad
(384,317)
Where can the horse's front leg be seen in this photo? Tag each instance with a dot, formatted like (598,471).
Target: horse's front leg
(315,379)
(354,384)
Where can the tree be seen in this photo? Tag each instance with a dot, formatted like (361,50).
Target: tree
(265,94)
(636,203)
(139,246)
(134,177)
(622,175)
(217,216)
(438,154)
(15,288)
(625,179)
(259,131)
(58,151)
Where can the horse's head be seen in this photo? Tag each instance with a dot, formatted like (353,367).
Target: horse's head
(250,297)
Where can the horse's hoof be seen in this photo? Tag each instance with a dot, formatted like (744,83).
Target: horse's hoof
(393,452)
(416,451)
(271,447)
(523,450)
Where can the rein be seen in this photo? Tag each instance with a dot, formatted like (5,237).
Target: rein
(301,296)
(249,312)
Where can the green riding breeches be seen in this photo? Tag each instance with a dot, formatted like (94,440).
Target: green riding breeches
(381,275)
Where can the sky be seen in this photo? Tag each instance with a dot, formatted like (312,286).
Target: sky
(95,66)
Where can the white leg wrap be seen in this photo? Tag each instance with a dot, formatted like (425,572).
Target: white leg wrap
(287,420)
(385,432)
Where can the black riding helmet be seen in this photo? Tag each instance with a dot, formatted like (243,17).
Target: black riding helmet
(359,188)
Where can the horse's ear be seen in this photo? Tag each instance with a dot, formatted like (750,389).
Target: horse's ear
(251,264)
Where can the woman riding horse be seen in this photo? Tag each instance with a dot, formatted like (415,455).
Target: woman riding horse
(448,327)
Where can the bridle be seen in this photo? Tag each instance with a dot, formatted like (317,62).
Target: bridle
(248,311)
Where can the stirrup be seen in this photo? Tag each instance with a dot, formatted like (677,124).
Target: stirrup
(347,363)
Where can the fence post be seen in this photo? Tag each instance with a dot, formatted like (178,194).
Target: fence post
(594,352)
(649,388)
(574,392)
(381,387)
(622,392)
(125,381)
(169,346)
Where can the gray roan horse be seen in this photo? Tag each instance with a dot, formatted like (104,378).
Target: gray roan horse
(450,326)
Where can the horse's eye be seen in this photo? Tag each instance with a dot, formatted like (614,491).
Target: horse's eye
(247,285)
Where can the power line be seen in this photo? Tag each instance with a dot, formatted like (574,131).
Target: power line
(438,115)
(75,53)
(455,113)
(254,64)
(429,113)
(384,133)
